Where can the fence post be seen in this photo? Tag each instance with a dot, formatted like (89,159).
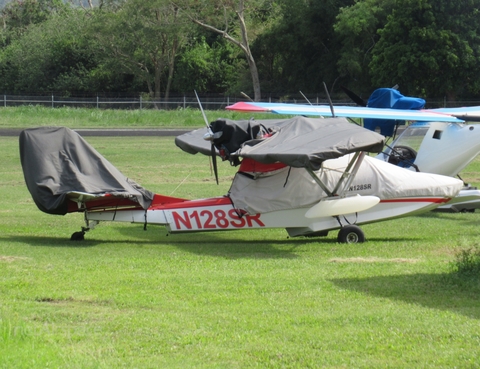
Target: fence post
(97,102)
(53,105)
(141,105)
(4,101)
(184,102)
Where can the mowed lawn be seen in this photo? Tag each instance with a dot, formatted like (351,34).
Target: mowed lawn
(129,298)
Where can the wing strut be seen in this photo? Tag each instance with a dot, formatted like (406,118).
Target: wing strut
(319,182)
(329,100)
(357,160)
(348,175)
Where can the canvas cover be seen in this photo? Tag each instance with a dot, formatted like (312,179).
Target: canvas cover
(193,142)
(297,142)
(389,98)
(57,161)
(293,187)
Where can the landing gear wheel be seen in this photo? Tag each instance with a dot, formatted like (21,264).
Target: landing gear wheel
(351,234)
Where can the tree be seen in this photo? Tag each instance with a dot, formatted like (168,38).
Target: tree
(206,68)
(430,47)
(234,20)
(356,28)
(142,37)
(299,51)
(18,15)
(53,55)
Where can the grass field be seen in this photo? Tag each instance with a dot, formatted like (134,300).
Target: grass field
(34,116)
(130,298)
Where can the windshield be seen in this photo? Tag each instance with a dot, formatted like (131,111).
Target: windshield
(406,146)
(412,136)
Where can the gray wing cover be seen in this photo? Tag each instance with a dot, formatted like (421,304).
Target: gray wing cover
(307,142)
(56,161)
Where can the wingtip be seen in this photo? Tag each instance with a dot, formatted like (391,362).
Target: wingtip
(245,107)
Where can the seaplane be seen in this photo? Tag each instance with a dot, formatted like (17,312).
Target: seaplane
(440,141)
(305,175)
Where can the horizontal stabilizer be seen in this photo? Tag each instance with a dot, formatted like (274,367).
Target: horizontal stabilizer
(59,167)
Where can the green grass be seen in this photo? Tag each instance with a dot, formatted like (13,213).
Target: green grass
(467,262)
(131,298)
(34,116)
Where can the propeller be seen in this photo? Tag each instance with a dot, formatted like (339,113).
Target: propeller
(355,98)
(209,136)
(214,162)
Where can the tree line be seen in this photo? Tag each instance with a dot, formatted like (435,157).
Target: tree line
(431,48)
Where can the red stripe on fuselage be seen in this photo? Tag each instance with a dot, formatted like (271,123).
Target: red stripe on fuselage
(215,201)
(435,200)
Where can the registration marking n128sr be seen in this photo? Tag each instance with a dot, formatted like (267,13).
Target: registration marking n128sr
(212,218)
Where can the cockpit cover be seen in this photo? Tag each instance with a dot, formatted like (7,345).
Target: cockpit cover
(56,161)
(297,142)
(392,99)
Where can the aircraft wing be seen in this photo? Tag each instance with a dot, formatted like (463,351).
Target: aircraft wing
(437,115)
(469,113)
(297,142)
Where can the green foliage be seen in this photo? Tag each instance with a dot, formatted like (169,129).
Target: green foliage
(142,38)
(49,56)
(430,48)
(467,262)
(60,55)
(18,15)
(206,68)
(356,30)
(300,50)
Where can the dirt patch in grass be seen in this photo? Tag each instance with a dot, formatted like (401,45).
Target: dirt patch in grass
(10,259)
(72,300)
(374,260)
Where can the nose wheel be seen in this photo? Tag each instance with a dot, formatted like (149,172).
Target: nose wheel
(351,234)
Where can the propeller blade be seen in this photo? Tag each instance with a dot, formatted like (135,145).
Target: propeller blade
(355,98)
(201,109)
(209,136)
(214,162)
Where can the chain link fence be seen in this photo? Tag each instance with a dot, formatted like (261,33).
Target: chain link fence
(179,102)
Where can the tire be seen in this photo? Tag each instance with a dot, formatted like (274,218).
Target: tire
(351,234)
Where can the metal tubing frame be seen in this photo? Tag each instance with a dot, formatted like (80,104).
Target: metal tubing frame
(355,163)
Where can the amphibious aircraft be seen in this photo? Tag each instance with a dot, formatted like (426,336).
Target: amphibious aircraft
(305,175)
(440,141)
